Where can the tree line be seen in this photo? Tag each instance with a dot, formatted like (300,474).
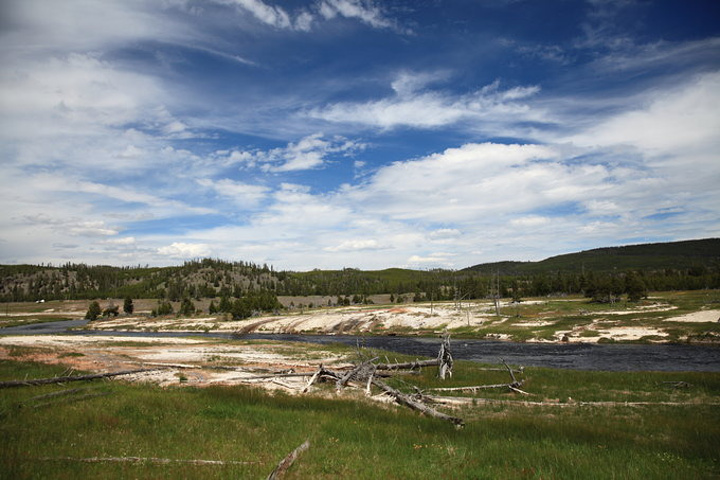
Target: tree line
(217,280)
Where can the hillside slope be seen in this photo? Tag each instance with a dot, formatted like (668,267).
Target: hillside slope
(651,256)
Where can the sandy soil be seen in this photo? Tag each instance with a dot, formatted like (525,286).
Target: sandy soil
(698,317)
(425,318)
(178,361)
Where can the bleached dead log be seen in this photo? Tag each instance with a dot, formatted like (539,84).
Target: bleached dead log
(287,462)
(408,401)
(469,389)
(312,379)
(76,378)
(407,365)
(368,390)
(360,371)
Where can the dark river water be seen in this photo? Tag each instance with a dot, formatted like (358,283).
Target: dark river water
(656,357)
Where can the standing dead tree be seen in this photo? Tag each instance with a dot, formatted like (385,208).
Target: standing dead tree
(445,359)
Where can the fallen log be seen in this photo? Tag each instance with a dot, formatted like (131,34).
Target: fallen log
(361,370)
(313,379)
(407,365)
(287,462)
(76,378)
(408,401)
(470,389)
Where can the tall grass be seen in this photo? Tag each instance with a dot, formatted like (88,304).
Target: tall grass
(352,438)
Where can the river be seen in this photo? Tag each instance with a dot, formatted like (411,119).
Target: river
(575,356)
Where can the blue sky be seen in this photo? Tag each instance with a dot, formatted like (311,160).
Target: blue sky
(351,133)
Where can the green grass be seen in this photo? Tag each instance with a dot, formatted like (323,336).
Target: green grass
(352,438)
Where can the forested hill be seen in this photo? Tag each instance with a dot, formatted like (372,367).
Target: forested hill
(690,254)
(662,266)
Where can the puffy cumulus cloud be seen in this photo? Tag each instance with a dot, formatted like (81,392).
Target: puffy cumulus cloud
(417,107)
(180,250)
(467,182)
(311,152)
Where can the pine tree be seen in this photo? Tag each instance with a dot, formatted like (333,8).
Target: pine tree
(128,306)
(93,311)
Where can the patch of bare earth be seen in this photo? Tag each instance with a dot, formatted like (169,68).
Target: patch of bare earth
(174,361)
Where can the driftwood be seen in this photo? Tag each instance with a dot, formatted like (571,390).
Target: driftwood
(76,378)
(287,462)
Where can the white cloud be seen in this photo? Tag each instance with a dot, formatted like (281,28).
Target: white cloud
(355,245)
(180,250)
(413,107)
(302,20)
(311,152)
(270,15)
(529,221)
(444,233)
(122,241)
(433,259)
(364,10)
(243,194)
(680,120)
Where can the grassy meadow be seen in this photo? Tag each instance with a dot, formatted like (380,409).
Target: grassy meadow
(674,433)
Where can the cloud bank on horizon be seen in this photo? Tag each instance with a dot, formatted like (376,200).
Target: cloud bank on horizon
(355,133)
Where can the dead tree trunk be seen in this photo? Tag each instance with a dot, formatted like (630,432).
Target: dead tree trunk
(445,360)
(410,402)
(407,365)
(287,462)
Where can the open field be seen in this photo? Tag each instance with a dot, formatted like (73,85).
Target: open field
(206,416)
(663,317)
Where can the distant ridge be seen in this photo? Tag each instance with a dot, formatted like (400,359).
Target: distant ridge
(649,256)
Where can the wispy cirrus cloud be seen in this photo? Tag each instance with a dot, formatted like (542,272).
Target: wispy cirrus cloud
(413,105)
(309,153)
(302,19)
